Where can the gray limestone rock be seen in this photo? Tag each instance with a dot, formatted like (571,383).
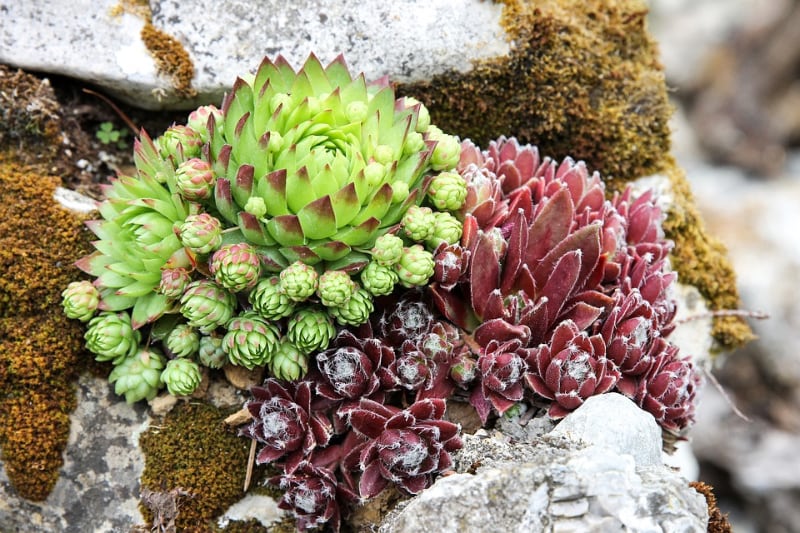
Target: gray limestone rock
(99,42)
(555,485)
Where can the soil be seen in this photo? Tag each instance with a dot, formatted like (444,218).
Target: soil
(57,123)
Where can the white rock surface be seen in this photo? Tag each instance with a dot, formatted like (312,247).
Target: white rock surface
(614,422)
(587,475)
(88,39)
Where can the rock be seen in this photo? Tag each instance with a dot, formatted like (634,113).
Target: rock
(556,484)
(102,41)
(615,422)
(98,489)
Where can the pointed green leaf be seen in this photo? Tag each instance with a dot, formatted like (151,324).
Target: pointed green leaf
(330,250)
(358,235)
(377,207)
(312,68)
(271,258)
(299,192)
(286,230)
(148,309)
(318,219)
(345,204)
(242,186)
(337,72)
(272,188)
(253,230)
(300,253)
(223,198)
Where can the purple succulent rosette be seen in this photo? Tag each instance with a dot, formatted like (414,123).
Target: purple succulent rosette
(285,424)
(406,447)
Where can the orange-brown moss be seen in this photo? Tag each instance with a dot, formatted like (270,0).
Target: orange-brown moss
(193,450)
(582,80)
(171,58)
(717,522)
(702,261)
(40,349)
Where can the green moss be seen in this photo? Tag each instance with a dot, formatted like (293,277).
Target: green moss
(191,449)
(582,80)
(40,349)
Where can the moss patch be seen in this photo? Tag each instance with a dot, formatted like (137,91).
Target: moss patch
(717,522)
(192,450)
(40,349)
(702,261)
(582,80)
(171,58)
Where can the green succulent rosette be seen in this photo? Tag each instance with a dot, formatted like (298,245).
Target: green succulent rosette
(179,143)
(448,191)
(388,249)
(236,266)
(356,311)
(210,353)
(207,306)
(336,160)
(194,180)
(183,341)
(201,233)
(269,301)
(250,341)
(418,223)
(446,229)
(378,279)
(136,237)
(198,120)
(310,330)
(181,376)
(335,288)
(299,281)
(288,363)
(138,377)
(415,267)
(80,300)
(174,282)
(111,337)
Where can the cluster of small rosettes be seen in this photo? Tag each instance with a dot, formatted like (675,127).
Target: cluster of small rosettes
(258,229)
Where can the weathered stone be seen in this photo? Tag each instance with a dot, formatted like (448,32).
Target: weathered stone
(613,421)
(102,41)
(553,485)
(98,489)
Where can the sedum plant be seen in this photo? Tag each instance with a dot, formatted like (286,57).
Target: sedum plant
(321,229)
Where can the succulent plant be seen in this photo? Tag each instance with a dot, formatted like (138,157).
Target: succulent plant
(354,368)
(181,376)
(310,329)
(174,282)
(250,341)
(269,301)
(194,180)
(284,422)
(405,447)
(207,306)
(136,238)
(80,300)
(201,233)
(211,353)
(299,281)
(356,311)
(111,337)
(198,120)
(388,249)
(138,377)
(336,160)
(570,368)
(179,143)
(313,494)
(236,266)
(378,279)
(418,223)
(501,369)
(288,362)
(335,288)
(415,267)
(182,341)
(448,191)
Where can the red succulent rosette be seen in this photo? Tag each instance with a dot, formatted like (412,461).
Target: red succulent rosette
(405,447)
(628,332)
(501,368)
(314,495)
(570,369)
(354,368)
(405,320)
(668,389)
(284,422)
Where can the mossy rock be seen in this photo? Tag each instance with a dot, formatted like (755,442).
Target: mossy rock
(583,80)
